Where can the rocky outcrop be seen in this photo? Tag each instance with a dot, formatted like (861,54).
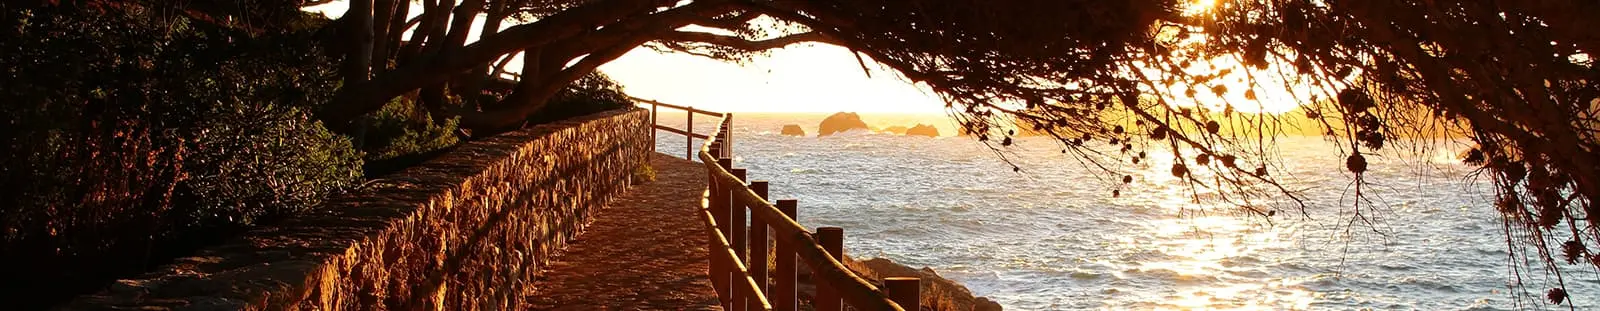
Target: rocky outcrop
(923,130)
(897,130)
(793,130)
(469,230)
(938,293)
(840,122)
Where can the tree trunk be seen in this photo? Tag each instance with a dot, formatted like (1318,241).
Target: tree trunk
(532,96)
(438,28)
(354,100)
(397,30)
(528,83)
(358,24)
(437,25)
(383,11)
(500,66)
(419,37)
(472,82)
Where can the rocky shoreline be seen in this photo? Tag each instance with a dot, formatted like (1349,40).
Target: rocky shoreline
(938,293)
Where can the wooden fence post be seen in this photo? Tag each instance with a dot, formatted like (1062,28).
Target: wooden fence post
(783,296)
(905,291)
(727,128)
(758,241)
(654,110)
(719,213)
(736,229)
(832,240)
(738,218)
(719,268)
(714,150)
(689,139)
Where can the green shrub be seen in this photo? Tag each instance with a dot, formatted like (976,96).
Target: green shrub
(401,134)
(591,94)
(255,161)
(133,137)
(400,128)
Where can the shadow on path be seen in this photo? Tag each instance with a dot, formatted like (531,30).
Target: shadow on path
(644,251)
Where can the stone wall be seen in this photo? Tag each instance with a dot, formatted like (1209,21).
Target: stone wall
(466,231)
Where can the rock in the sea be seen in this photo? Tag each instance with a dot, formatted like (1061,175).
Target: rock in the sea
(897,130)
(984,304)
(840,122)
(923,130)
(793,130)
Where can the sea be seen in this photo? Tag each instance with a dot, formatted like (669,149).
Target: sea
(1051,236)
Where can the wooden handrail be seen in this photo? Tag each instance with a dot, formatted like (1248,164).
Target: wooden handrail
(684,108)
(729,190)
(723,252)
(682,132)
(688,128)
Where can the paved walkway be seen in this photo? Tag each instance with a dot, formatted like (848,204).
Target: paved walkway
(644,251)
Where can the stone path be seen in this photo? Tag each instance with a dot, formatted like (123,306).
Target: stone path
(644,251)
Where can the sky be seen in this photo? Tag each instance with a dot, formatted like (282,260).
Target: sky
(800,78)
(806,77)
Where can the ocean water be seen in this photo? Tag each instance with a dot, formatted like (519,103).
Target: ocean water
(1052,237)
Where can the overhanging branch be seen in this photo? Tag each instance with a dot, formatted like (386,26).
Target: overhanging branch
(747,45)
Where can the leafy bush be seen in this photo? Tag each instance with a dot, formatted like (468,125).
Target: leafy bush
(402,135)
(400,129)
(591,94)
(644,174)
(134,137)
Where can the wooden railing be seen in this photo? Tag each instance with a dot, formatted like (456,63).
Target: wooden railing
(688,128)
(738,268)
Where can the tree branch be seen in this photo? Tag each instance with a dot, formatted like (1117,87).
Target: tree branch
(734,22)
(747,45)
(354,100)
(527,101)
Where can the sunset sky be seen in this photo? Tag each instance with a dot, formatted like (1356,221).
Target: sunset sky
(801,78)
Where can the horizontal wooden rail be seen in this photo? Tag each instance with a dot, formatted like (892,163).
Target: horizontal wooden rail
(684,108)
(688,128)
(682,132)
(826,270)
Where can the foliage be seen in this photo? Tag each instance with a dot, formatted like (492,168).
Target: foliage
(644,174)
(593,93)
(1516,78)
(132,137)
(401,128)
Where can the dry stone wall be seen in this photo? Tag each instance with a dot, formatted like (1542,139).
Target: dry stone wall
(466,231)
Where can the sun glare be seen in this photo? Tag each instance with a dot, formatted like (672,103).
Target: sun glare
(1199,6)
(1234,86)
